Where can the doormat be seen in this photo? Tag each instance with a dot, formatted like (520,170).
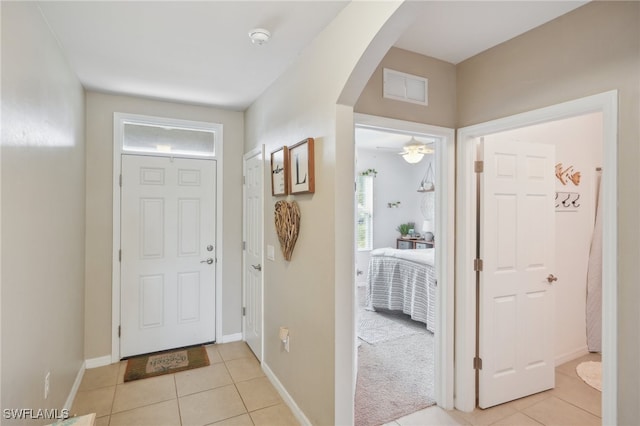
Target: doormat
(165,362)
(591,373)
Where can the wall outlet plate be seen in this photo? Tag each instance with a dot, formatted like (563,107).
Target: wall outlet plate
(47,383)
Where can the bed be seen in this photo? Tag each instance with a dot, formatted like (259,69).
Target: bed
(403,280)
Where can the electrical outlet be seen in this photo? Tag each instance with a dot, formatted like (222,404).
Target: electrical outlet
(47,382)
(286,344)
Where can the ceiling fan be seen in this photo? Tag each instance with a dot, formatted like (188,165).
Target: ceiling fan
(413,151)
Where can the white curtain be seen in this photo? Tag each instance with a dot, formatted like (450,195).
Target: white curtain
(594,280)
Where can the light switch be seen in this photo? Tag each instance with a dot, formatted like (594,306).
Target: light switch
(271,252)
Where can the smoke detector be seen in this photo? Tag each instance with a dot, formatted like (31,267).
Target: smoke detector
(259,36)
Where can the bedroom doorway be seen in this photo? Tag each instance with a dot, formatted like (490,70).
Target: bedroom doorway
(387,195)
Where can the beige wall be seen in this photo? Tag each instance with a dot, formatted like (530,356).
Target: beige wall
(100,108)
(593,49)
(313,293)
(441,108)
(43,213)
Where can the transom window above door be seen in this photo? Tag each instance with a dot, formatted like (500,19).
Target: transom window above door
(167,137)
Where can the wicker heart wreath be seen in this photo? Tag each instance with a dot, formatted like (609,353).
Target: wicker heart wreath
(287,226)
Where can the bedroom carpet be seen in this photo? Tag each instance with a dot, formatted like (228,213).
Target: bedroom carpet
(395,367)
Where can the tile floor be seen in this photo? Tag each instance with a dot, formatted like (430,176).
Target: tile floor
(572,402)
(232,391)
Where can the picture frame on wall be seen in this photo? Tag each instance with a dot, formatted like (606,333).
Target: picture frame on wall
(280,171)
(301,167)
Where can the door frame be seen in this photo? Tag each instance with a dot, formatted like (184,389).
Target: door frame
(445,207)
(254,152)
(118,125)
(465,330)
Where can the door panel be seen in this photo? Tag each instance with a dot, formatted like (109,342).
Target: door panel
(253,253)
(167,221)
(518,252)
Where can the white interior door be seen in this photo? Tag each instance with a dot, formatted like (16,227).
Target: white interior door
(168,217)
(252,263)
(518,250)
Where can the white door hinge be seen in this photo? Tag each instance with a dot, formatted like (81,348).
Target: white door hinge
(120,181)
(244,311)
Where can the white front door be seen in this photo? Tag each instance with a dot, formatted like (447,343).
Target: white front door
(168,217)
(252,262)
(517,298)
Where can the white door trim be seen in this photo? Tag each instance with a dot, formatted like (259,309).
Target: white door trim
(445,178)
(465,331)
(118,123)
(245,157)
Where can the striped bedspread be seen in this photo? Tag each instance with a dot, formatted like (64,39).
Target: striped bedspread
(403,280)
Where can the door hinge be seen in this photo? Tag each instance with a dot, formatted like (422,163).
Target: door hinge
(119,330)
(120,255)
(244,180)
(244,245)
(244,311)
(478,166)
(120,181)
(477,265)
(477,363)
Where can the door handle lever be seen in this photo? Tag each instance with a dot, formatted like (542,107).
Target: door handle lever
(257,267)
(208,261)
(551,278)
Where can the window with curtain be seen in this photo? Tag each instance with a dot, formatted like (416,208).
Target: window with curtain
(364,225)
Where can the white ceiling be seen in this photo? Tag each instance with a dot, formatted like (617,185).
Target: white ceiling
(199,52)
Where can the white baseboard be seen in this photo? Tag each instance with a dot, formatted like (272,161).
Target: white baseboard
(231,338)
(97,362)
(571,355)
(285,396)
(75,387)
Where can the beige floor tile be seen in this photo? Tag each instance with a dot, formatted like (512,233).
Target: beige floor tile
(214,355)
(554,411)
(491,415)
(517,419)
(102,421)
(578,393)
(258,393)
(569,368)
(139,393)
(243,420)
(99,377)
(234,350)
(244,369)
(201,379)
(429,416)
(161,414)
(97,401)
(528,401)
(123,369)
(279,415)
(211,406)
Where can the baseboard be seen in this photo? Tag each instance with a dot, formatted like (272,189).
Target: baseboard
(231,338)
(570,356)
(297,412)
(75,387)
(97,362)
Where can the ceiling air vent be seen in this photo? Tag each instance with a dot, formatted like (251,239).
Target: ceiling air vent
(405,87)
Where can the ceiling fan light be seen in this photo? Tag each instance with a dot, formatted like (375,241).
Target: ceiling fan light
(412,157)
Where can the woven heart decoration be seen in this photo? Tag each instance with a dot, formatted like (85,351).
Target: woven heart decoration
(287,226)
